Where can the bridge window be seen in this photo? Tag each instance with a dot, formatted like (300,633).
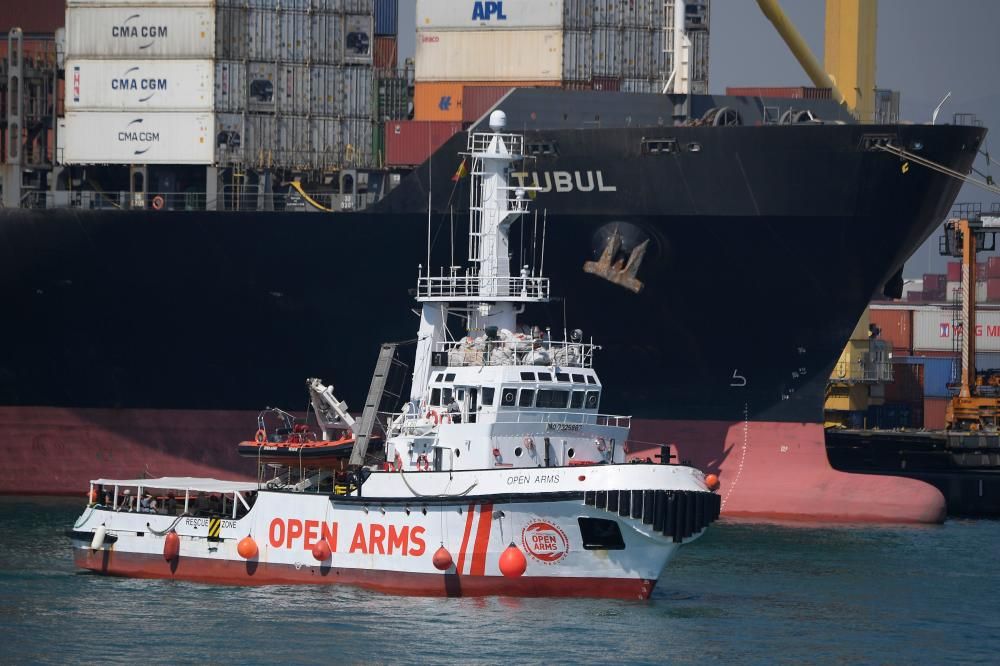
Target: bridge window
(486,396)
(562,376)
(591,379)
(545,376)
(577,402)
(578,378)
(450,377)
(527,398)
(552,399)
(435,397)
(528,376)
(439,377)
(446,396)
(509,397)
(593,399)
(601,534)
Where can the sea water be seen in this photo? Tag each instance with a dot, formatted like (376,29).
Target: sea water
(743,593)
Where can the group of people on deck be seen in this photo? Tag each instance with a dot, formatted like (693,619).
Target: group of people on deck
(211,505)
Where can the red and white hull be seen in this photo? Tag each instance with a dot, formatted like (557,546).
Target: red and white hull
(386,540)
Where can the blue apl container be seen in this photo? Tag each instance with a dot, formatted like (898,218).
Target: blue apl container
(386,17)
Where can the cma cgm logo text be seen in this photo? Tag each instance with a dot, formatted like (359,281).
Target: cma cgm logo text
(132,28)
(485,11)
(131,80)
(138,137)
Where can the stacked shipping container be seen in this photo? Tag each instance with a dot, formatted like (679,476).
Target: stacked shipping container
(138,82)
(470,53)
(249,83)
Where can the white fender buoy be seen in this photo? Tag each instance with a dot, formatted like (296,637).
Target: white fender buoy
(98,540)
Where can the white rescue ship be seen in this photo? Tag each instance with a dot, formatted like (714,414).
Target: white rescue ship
(499,477)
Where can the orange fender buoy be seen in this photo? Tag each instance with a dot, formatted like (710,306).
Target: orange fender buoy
(712,481)
(442,559)
(247,548)
(171,546)
(321,551)
(512,562)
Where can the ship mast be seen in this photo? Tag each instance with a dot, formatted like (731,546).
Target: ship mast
(487,294)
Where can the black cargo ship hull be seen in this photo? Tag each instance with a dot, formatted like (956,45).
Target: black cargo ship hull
(765,245)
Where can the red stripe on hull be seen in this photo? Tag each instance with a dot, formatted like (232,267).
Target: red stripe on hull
(478,567)
(230,572)
(469,514)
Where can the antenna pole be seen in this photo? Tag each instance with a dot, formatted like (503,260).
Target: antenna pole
(545,219)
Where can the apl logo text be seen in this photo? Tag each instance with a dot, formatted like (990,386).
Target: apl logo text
(486,11)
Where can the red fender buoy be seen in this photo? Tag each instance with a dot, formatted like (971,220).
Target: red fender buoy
(321,551)
(712,481)
(171,546)
(247,548)
(512,562)
(442,559)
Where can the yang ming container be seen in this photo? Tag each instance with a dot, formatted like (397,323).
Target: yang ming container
(140,32)
(139,85)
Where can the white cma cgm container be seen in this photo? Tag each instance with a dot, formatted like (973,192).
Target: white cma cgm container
(934,329)
(492,15)
(123,137)
(139,85)
(495,55)
(140,32)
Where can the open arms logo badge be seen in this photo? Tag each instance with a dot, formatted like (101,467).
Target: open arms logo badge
(545,542)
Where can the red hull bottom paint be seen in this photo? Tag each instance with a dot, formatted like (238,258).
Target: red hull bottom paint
(767,470)
(779,471)
(232,572)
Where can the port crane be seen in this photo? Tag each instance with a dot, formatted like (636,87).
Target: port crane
(976,406)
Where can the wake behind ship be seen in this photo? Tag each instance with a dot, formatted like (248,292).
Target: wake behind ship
(734,260)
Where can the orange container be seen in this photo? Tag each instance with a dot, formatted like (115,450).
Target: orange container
(445,100)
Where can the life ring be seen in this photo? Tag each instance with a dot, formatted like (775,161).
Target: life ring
(397,464)
(423,464)
(529,443)
(157,202)
(261,436)
(432,416)
(601,446)
(446,418)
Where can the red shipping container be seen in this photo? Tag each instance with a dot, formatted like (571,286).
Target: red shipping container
(993,289)
(915,297)
(786,92)
(993,267)
(954,271)
(411,142)
(896,328)
(933,282)
(934,413)
(384,53)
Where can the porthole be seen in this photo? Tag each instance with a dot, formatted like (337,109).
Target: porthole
(518,451)
(570,453)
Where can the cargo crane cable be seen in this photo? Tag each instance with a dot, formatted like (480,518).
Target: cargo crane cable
(940,168)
